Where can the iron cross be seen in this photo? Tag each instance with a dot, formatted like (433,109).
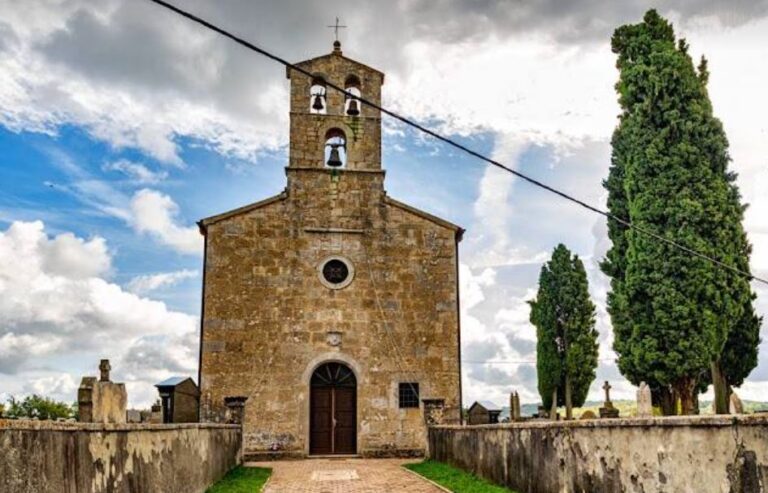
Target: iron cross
(336,28)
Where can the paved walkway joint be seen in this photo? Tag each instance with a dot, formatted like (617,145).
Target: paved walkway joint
(343,476)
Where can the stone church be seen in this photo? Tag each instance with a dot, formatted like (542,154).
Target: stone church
(331,308)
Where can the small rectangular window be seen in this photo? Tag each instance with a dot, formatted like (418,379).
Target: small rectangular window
(409,394)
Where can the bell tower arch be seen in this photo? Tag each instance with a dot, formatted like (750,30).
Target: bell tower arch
(315,109)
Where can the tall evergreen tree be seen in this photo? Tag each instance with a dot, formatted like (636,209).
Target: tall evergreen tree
(564,316)
(674,314)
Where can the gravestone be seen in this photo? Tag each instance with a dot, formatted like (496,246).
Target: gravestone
(101,401)
(608,411)
(514,407)
(644,404)
(156,413)
(735,406)
(133,416)
(586,415)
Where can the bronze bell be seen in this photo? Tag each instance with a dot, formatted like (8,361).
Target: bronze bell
(318,104)
(334,161)
(353,110)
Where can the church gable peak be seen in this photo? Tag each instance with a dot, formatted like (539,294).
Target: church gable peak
(311,64)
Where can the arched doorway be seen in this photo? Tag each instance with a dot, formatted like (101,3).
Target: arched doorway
(333,410)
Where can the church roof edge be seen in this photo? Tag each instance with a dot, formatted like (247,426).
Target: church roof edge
(205,222)
(426,215)
(311,60)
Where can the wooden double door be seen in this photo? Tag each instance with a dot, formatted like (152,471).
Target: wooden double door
(333,410)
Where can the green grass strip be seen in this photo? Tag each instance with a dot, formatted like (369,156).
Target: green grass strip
(242,480)
(455,479)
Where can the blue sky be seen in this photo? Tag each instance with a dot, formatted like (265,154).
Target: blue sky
(121,126)
(67,180)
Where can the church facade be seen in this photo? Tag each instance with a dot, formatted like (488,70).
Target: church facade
(331,307)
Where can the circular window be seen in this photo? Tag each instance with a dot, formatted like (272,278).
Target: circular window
(336,272)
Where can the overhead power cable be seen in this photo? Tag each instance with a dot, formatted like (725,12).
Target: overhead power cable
(462,147)
(520,362)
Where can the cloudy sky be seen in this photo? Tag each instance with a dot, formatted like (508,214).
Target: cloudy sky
(121,125)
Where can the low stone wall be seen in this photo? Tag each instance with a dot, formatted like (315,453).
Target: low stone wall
(698,454)
(44,456)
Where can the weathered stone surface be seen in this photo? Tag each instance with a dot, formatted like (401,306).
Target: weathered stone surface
(735,406)
(644,403)
(515,413)
(101,401)
(45,456)
(670,455)
(269,321)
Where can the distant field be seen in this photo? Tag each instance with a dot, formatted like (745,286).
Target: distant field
(629,408)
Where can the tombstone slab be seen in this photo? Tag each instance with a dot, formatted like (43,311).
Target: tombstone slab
(644,404)
(102,401)
(514,407)
(735,406)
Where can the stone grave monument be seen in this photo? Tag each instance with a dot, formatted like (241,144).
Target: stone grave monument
(608,411)
(735,406)
(514,407)
(644,405)
(101,401)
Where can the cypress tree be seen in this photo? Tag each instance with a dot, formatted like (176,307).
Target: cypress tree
(676,316)
(564,316)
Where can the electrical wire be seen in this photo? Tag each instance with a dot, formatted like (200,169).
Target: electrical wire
(521,362)
(461,147)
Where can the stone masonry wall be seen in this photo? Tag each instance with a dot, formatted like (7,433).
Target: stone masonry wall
(267,315)
(49,457)
(720,454)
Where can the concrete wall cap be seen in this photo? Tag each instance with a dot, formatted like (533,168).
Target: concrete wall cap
(29,424)
(660,421)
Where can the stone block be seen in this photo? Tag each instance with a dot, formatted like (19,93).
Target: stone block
(101,402)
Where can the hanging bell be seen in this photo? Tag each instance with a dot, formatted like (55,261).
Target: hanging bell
(353,110)
(318,104)
(334,161)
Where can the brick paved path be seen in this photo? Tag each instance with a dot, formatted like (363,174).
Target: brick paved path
(343,476)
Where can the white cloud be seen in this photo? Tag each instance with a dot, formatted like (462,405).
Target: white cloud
(155,213)
(136,171)
(148,211)
(17,349)
(62,387)
(54,306)
(526,88)
(471,286)
(150,282)
(133,78)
